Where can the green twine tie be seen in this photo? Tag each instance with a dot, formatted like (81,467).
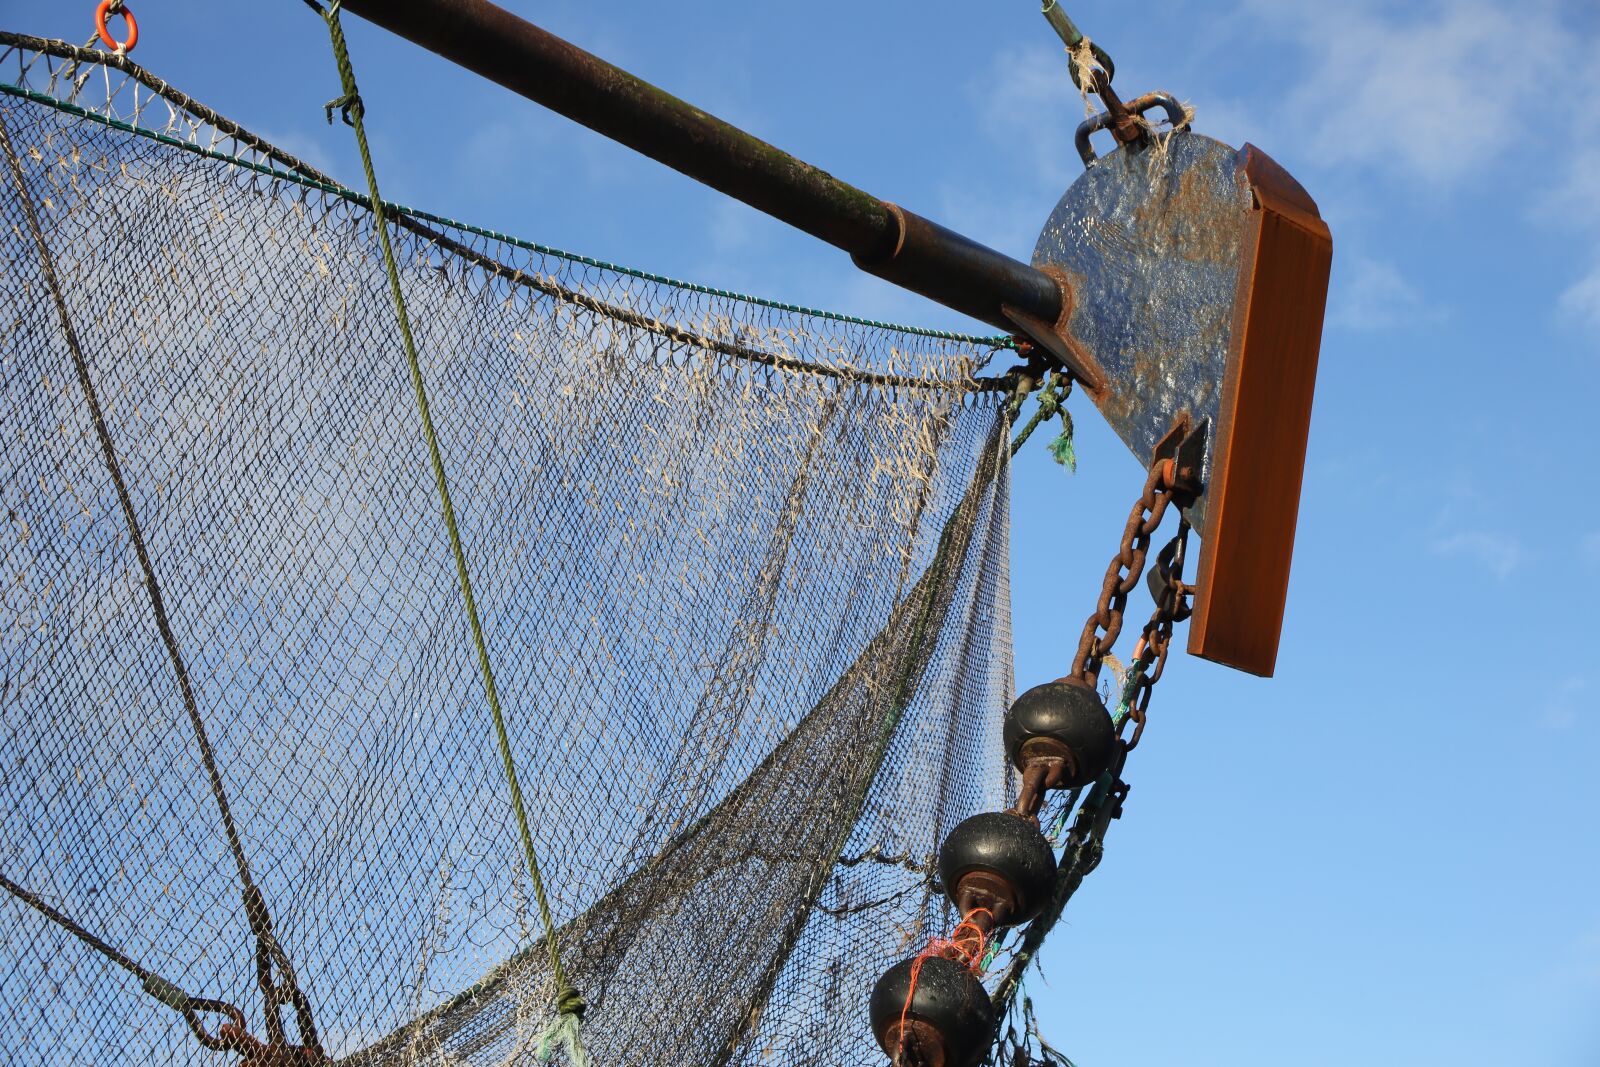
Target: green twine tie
(1061,448)
(562,1034)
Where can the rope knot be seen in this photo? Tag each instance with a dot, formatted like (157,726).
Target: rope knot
(349,107)
(966,945)
(570,1002)
(1052,402)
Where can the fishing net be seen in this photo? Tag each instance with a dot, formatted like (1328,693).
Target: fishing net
(743,573)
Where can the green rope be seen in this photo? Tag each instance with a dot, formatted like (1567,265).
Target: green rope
(1023,388)
(1073,37)
(569,1002)
(1052,402)
(1061,449)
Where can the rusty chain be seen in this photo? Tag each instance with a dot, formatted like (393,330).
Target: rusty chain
(1103,627)
(1170,480)
(1155,640)
(1163,486)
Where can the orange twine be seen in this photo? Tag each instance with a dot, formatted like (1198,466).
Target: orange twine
(965,945)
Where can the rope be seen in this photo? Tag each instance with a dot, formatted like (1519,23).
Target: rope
(309,177)
(569,1002)
(158,987)
(1083,55)
(135,531)
(1052,402)
(268,951)
(421,222)
(231,1036)
(1070,34)
(967,945)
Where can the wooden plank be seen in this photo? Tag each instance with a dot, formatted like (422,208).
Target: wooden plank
(1263,426)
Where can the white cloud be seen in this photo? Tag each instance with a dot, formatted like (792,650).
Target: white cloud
(1433,94)
(1572,203)
(1575,197)
(1374,295)
(1499,554)
(1581,299)
(1028,109)
(1428,96)
(1028,106)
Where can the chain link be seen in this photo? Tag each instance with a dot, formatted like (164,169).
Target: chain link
(1155,640)
(1104,626)
(1162,487)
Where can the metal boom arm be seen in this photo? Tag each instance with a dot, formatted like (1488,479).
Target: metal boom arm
(881,238)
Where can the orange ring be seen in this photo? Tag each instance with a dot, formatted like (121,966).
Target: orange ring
(100,14)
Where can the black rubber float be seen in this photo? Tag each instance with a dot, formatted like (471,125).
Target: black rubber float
(949,1021)
(1064,723)
(999,862)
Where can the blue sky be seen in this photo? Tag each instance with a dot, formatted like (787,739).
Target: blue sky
(1388,853)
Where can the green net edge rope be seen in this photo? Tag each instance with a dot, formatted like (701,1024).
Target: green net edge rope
(993,341)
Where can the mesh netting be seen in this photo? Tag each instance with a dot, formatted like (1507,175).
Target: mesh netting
(743,572)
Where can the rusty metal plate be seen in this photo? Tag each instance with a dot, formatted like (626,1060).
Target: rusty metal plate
(1150,245)
(1198,275)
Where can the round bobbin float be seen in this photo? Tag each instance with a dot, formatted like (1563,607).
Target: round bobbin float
(948,1020)
(999,862)
(1064,728)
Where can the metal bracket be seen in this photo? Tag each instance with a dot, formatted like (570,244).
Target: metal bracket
(1053,340)
(1199,275)
(1176,117)
(1185,445)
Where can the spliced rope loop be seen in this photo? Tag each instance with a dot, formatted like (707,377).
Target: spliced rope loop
(1084,54)
(570,1005)
(231,1036)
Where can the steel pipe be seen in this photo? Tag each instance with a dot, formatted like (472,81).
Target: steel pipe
(882,239)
